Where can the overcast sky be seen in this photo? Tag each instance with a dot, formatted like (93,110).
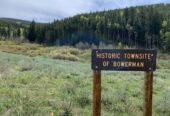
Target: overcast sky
(48,10)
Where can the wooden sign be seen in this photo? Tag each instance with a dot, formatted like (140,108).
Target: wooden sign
(124,59)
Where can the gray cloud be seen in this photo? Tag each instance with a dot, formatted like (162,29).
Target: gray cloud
(48,10)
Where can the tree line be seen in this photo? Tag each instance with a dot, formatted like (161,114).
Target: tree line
(142,26)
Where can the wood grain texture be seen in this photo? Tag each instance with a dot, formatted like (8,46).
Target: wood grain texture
(148,90)
(96,93)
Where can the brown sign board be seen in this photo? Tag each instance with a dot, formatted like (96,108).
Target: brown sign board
(124,59)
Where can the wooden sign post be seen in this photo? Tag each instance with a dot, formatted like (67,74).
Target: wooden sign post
(123,60)
(148,88)
(96,93)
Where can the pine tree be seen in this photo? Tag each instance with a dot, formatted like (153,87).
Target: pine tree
(31,32)
(19,32)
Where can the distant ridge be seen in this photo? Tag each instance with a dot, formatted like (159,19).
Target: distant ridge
(17,21)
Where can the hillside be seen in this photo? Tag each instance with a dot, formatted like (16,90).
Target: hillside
(141,26)
(13,28)
(14,21)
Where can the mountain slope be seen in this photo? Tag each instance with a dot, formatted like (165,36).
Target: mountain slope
(145,26)
(14,21)
(142,26)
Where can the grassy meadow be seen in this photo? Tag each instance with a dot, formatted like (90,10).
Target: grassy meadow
(36,80)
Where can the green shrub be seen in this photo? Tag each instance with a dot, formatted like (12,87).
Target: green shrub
(61,56)
(83,98)
(26,67)
(107,101)
(74,51)
(69,88)
(163,105)
(65,108)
